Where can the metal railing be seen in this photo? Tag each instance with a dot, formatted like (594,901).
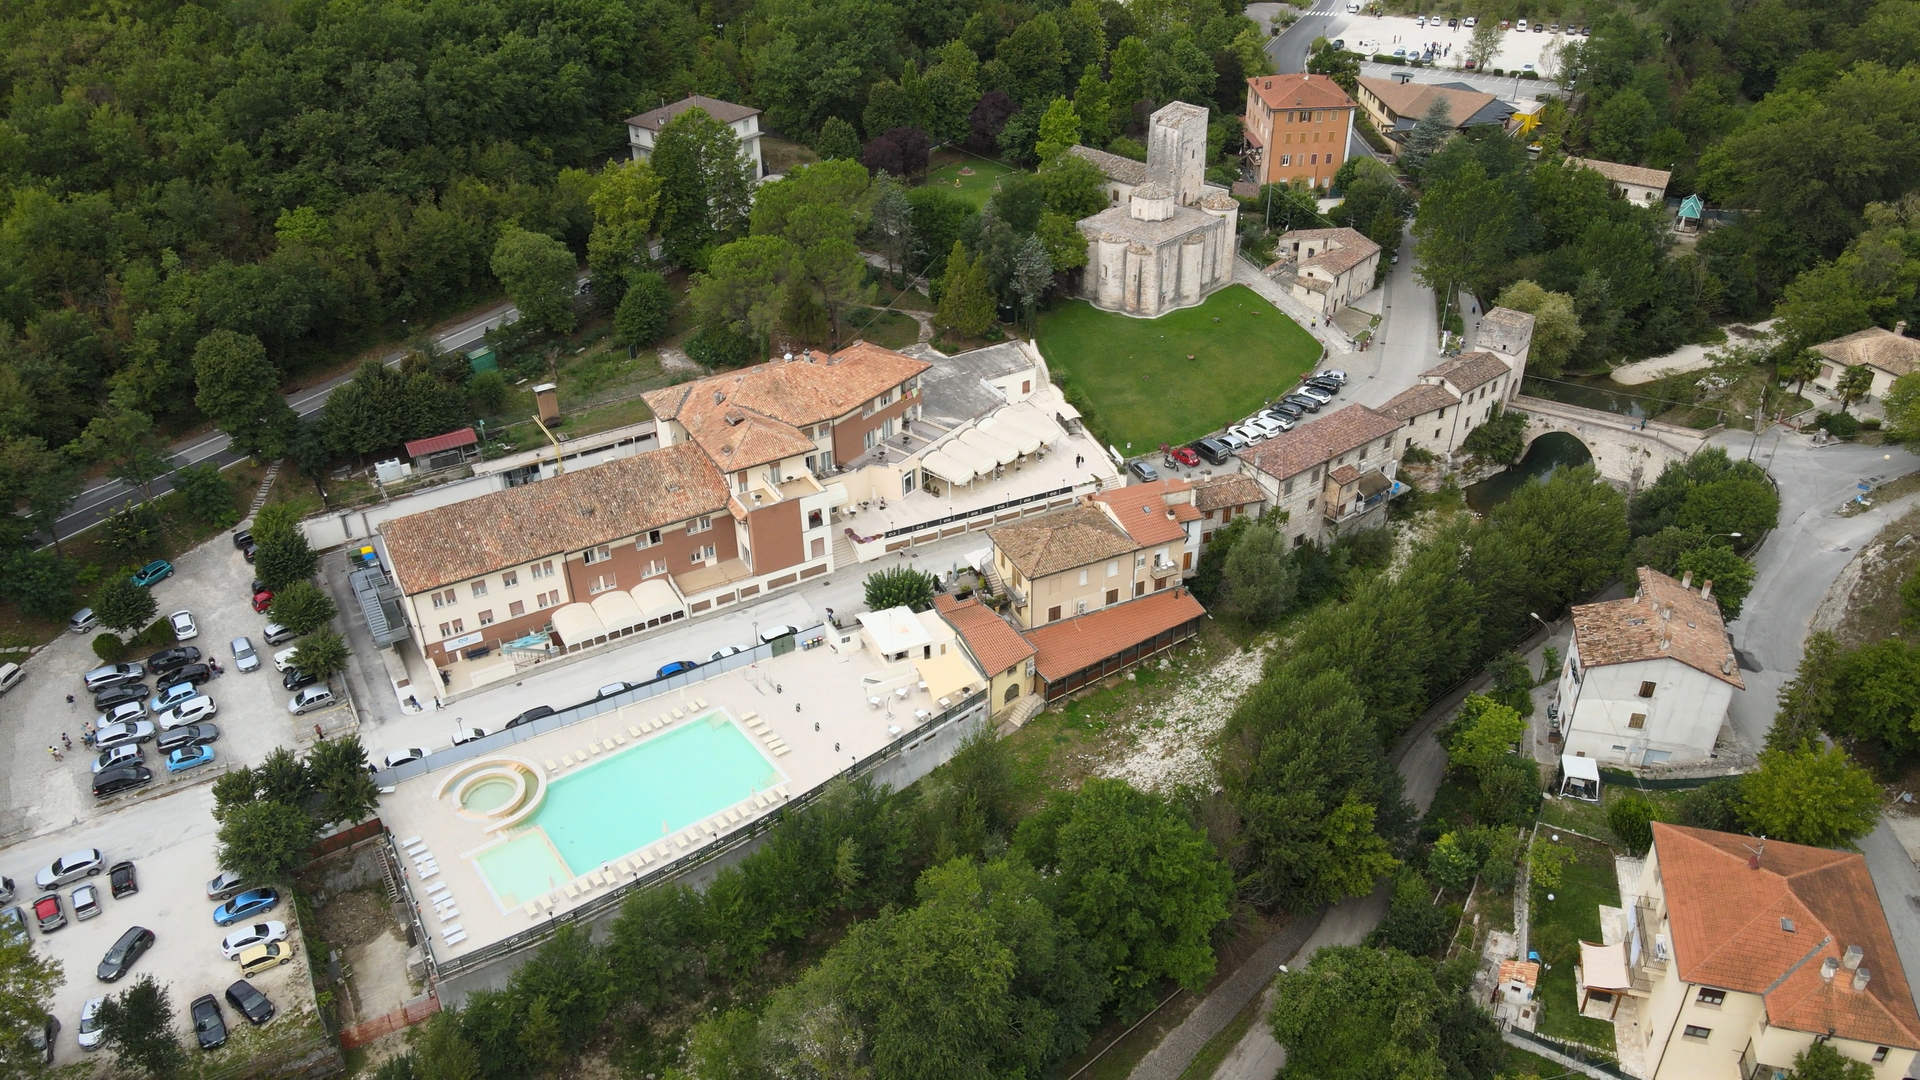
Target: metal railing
(1586,1055)
(606,902)
(977,512)
(586,710)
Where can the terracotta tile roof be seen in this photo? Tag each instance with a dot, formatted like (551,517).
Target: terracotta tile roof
(994,643)
(1418,400)
(1291,453)
(582,509)
(1123,169)
(1062,540)
(1300,92)
(1142,510)
(1344,475)
(433,444)
(1071,644)
(1641,628)
(724,111)
(1349,248)
(1519,972)
(1727,932)
(1895,354)
(1468,371)
(1625,174)
(1230,489)
(1505,330)
(752,416)
(1412,100)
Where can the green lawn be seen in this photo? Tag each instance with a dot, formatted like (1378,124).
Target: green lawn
(972,179)
(1572,916)
(1137,383)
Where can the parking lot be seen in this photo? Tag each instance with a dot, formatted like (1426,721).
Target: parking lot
(1374,35)
(47,808)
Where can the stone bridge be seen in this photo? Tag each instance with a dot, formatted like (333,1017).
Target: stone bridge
(1626,451)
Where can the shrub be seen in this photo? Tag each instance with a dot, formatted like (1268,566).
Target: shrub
(1715,806)
(208,495)
(488,390)
(109,648)
(899,586)
(719,347)
(132,531)
(1631,818)
(645,311)
(1839,425)
(1870,423)
(158,632)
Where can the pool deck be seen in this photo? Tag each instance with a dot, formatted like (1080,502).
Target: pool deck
(826,687)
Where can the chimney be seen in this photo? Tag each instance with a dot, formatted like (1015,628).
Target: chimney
(1706,591)
(1686,580)
(1860,979)
(1852,957)
(1900,328)
(1828,966)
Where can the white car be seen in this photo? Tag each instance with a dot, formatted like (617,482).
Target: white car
(1353,8)
(468,734)
(1315,393)
(190,711)
(183,627)
(283,659)
(1266,424)
(721,654)
(779,631)
(1521,26)
(1470,22)
(71,867)
(90,1033)
(1248,432)
(119,755)
(246,937)
(401,757)
(1235,443)
(1420,21)
(124,713)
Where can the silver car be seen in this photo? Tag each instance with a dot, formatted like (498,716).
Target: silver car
(86,903)
(112,675)
(125,754)
(244,658)
(90,1033)
(1315,393)
(121,734)
(124,713)
(71,867)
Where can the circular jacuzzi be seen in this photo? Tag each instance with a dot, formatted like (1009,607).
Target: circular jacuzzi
(495,790)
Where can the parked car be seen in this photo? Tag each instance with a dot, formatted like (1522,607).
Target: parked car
(172,659)
(227,884)
(1144,470)
(132,945)
(1287,409)
(1313,392)
(209,1027)
(120,779)
(244,658)
(465,735)
(401,757)
(283,660)
(613,688)
(153,573)
(294,679)
(112,675)
(247,552)
(262,600)
(311,699)
(171,694)
(1184,455)
(115,696)
(84,621)
(42,1038)
(1233,442)
(124,713)
(778,630)
(48,915)
(10,676)
(1471,22)
(1248,432)
(90,1033)
(1266,425)
(191,711)
(86,903)
(1312,405)
(1213,450)
(265,957)
(275,634)
(246,905)
(125,754)
(246,937)
(676,667)
(121,880)
(1285,423)
(723,652)
(183,625)
(72,866)
(251,1003)
(6,889)
(193,673)
(531,715)
(189,735)
(242,538)
(189,757)
(1521,26)
(113,735)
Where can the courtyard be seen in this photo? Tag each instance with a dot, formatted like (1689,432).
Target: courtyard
(1135,384)
(973,179)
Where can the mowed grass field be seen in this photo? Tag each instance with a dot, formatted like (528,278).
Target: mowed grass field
(1142,389)
(975,186)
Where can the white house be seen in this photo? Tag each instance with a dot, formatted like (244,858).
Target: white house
(1641,187)
(1889,354)
(642,130)
(1648,679)
(1326,269)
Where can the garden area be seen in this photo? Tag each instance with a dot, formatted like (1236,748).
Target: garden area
(1135,383)
(1578,874)
(973,179)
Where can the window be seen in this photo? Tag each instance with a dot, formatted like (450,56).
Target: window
(1139,588)
(1709,996)
(868,440)
(655,567)
(1637,720)
(1053,613)
(1695,1032)
(647,539)
(442,599)
(446,630)
(602,583)
(819,548)
(486,617)
(479,589)
(815,519)
(548,599)
(1879,1054)
(1315,159)
(515,609)
(1286,159)
(1140,560)
(701,554)
(1288,489)
(1113,596)
(1113,568)
(1083,577)
(509,579)
(1646,689)
(542,569)
(906,483)
(700,524)
(459,626)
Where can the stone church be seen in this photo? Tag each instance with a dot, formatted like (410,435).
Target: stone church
(1167,240)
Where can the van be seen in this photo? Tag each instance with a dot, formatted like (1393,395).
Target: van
(1215,451)
(83,621)
(275,633)
(10,676)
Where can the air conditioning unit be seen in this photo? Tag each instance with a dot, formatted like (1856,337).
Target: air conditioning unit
(1079,607)
(1662,948)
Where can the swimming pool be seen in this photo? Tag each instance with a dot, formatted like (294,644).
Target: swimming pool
(628,800)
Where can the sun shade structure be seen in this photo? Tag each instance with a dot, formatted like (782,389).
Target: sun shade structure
(578,624)
(617,611)
(657,600)
(948,468)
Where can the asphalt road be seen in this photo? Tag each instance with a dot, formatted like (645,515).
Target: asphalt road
(214,446)
(1288,52)
(1406,343)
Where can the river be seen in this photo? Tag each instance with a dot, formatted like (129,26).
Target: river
(1549,454)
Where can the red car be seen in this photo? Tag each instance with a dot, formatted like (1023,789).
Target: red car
(262,600)
(48,913)
(1185,456)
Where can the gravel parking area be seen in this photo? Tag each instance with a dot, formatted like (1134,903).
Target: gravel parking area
(1383,34)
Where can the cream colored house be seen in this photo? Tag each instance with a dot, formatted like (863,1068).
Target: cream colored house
(744,120)
(1641,187)
(1083,558)
(1330,475)
(1325,269)
(1889,354)
(1739,953)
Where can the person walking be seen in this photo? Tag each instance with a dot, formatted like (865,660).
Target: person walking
(65,739)
(54,752)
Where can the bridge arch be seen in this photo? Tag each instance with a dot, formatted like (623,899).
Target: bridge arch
(1628,452)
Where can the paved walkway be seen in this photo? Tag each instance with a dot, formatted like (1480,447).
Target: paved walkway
(1245,273)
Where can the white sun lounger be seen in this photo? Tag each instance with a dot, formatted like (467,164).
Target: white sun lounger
(782,751)
(552,765)
(436,887)
(454,929)
(409,841)
(450,913)
(456,937)
(634,730)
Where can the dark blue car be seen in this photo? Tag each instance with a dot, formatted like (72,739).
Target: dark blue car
(676,668)
(245,906)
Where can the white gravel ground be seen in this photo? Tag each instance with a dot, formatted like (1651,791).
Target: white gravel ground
(1175,748)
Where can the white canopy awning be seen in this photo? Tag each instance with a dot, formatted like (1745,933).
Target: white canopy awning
(981,462)
(1580,768)
(1002,451)
(577,624)
(1019,438)
(617,611)
(656,598)
(1605,966)
(1029,419)
(946,468)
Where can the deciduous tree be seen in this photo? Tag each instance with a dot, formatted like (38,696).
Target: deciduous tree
(645,311)
(706,190)
(137,1025)
(538,273)
(121,605)
(265,840)
(27,983)
(321,653)
(1810,795)
(1556,326)
(302,607)
(239,390)
(899,586)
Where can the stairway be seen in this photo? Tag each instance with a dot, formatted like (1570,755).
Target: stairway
(266,487)
(844,557)
(1015,716)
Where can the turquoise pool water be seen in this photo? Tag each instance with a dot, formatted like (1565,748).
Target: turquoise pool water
(630,799)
